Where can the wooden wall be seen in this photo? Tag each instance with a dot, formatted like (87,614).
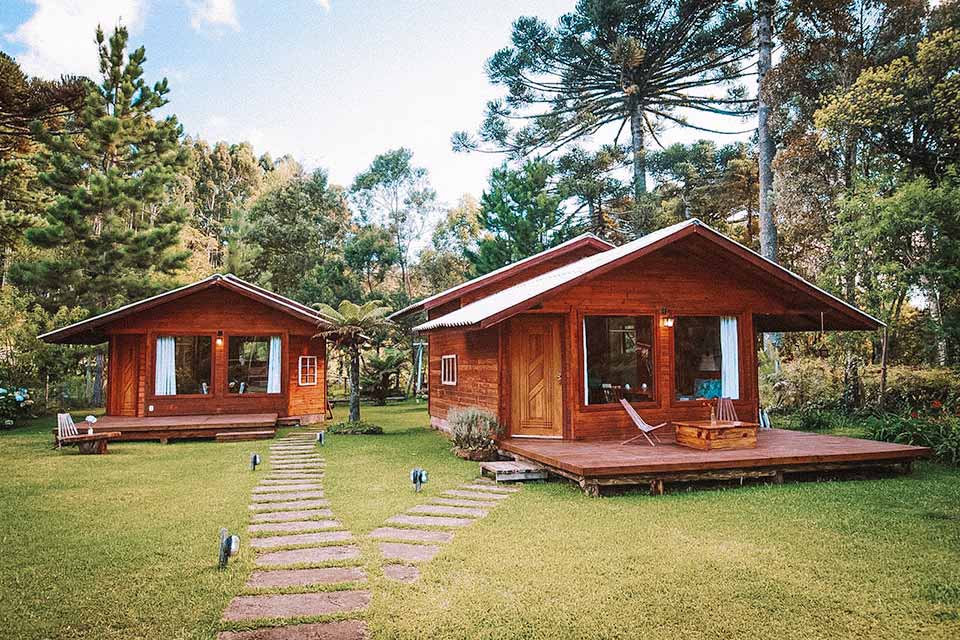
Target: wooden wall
(307,401)
(478,372)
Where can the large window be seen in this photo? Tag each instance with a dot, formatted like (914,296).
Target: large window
(183,365)
(706,357)
(619,358)
(253,364)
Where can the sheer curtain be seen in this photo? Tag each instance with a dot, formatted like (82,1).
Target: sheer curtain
(274,366)
(730,358)
(165,383)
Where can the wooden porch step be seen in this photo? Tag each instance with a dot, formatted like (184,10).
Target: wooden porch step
(513,471)
(236,436)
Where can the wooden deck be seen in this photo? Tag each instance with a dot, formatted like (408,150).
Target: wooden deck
(168,428)
(596,465)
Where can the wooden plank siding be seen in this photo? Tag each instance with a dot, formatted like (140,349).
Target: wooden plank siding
(478,372)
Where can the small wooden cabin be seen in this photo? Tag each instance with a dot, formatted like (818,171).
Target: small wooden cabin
(669,322)
(217,347)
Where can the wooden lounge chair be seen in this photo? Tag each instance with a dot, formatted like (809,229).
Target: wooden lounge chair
(67,434)
(725,410)
(641,424)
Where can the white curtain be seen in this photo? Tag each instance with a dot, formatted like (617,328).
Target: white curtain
(165,383)
(274,366)
(730,358)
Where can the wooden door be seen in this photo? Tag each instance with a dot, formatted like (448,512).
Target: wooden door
(126,371)
(536,391)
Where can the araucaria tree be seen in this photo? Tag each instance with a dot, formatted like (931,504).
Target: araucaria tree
(111,231)
(625,63)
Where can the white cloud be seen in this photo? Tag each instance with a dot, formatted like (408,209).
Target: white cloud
(325,4)
(59,37)
(215,13)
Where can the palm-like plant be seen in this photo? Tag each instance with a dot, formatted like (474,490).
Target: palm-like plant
(349,326)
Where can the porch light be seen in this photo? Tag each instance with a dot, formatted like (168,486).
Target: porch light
(665,318)
(219,338)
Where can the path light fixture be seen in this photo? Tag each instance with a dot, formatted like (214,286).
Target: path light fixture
(254,461)
(419,478)
(229,547)
(321,438)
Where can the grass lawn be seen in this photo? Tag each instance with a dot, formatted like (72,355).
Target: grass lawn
(123,547)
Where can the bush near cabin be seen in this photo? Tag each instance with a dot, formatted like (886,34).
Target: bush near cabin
(15,405)
(474,433)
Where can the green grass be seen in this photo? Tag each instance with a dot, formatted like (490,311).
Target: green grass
(123,547)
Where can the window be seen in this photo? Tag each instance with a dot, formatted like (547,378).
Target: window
(618,352)
(448,370)
(706,357)
(308,371)
(183,365)
(253,364)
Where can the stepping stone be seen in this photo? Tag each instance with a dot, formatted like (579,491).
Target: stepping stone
(401,572)
(292,451)
(295,525)
(305,577)
(282,461)
(291,504)
(296,467)
(290,516)
(272,488)
(308,556)
(409,552)
(270,480)
(344,630)
(453,502)
(444,510)
(415,535)
(286,475)
(489,487)
(459,493)
(290,495)
(301,538)
(430,521)
(295,604)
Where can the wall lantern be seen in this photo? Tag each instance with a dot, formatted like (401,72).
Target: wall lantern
(219,338)
(665,317)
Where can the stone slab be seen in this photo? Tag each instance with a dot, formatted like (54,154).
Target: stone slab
(294,525)
(289,504)
(415,535)
(290,516)
(287,476)
(305,577)
(430,521)
(273,542)
(455,502)
(343,630)
(295,604)
(296,467)
(459,493)
(445,510)
(272,488)
(408,552)
(308,556)
(288,495)
(489,487)
(401,572)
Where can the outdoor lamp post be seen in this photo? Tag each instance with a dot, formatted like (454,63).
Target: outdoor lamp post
(254,461)
(419,478)
(321,438)
(229,547)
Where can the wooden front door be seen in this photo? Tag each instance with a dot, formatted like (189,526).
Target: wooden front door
(536,394)
(126,370)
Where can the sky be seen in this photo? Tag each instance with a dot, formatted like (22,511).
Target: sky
(331,82)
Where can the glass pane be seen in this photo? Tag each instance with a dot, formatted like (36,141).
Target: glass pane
(192,364)
(619,353)
(247,364)
(696,347)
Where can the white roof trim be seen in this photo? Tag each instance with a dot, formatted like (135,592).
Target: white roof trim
(480,310)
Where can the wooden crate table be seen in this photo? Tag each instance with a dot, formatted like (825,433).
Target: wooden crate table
(706,436)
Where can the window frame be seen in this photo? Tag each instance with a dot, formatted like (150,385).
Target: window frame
(152,364)
(283,363)
(306,360)
(654,356)
(450,381)
(676,402)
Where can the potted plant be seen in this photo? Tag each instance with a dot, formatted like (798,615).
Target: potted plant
(475,432)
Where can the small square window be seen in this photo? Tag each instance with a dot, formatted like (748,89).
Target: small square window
(307,366)
(448,370)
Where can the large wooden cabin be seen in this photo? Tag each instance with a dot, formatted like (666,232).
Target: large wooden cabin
(670,322)
(219,356)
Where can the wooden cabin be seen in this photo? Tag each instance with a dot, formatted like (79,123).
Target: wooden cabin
(219,356)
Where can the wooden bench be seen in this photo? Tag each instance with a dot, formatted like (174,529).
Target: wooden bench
(88,443)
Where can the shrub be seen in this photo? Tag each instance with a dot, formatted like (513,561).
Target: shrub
(474,429)
(356,428)
(921,391)
(942,434)
(14,405)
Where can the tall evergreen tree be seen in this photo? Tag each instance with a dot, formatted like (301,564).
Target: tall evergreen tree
(112,227)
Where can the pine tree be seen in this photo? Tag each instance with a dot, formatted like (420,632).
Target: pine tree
(112,228)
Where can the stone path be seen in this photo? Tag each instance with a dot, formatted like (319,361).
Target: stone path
(300,547)
(416,536)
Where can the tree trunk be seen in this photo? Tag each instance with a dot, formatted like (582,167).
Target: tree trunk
(354,383)
(768,229)
(936,314)
(883,367)
(639,151)
(98,381)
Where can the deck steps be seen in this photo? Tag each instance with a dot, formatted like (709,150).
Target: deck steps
(513,471)
(237,436)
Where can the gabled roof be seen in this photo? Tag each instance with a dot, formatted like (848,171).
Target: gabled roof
(89,331)
(518,298)
(512,269)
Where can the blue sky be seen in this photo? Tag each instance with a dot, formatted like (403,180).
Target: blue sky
(332,82)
